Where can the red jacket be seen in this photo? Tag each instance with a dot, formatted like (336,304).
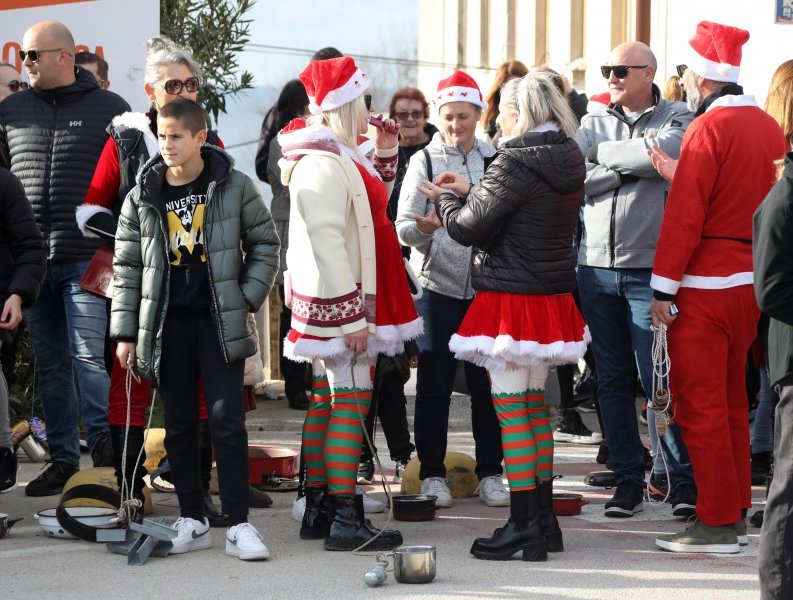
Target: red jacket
(726,169)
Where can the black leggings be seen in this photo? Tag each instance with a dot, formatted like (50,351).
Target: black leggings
(190,348)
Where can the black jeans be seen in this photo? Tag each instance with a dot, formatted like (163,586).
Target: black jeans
(776,537)
(390,405)
(435,378)
(294,373)
(190,348)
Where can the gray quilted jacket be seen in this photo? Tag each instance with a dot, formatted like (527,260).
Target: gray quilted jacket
(242,257)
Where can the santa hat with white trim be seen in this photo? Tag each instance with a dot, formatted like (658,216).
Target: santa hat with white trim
(458,87)
(332,83)
(715,51)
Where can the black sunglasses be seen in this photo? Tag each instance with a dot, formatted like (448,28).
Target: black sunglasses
(681,69)
(367,100)
(174,86)
(620,71)
(412,114)
(15,85)
(33,55)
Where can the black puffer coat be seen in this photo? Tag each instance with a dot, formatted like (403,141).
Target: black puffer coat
(522,215)
(23,256)
(54,138)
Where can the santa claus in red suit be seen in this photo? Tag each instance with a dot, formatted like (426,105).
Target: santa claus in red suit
(704,265)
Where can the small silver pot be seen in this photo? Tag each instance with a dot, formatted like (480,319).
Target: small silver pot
(412,564)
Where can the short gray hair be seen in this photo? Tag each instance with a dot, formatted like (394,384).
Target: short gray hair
(162,51)
(536,99)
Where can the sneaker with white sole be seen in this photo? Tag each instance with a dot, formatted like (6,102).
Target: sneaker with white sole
(298,508)
(437,486)
(571,429)
(492,491)
(244,542)
(370,505)
(193,535)
(699,537)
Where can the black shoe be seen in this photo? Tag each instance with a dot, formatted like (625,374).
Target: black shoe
(627,500)
(606,479)
(350,529)
(548,521)
(658,488)
(761,467)
(521,533)
(365,472)
(8,470)
(102,452)
(684,500)
(756,519)
(298,401)
(648,460)
(603,454)
(213,515)
(571,429)
(52,480)
(316,518)
(258,498)
(587,407)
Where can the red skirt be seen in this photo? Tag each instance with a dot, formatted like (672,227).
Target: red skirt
(503,331)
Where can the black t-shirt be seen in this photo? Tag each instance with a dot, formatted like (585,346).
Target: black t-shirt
(184,211)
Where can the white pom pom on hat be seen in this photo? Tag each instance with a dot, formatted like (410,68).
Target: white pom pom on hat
(332,83)
(715,50)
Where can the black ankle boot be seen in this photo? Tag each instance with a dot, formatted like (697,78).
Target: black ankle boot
(521,533)
(316,517)
(134,467)
(349,528)
(548,522)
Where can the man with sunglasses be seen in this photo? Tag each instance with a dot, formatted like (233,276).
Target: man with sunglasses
(10,81)
(623,209)
(54,134)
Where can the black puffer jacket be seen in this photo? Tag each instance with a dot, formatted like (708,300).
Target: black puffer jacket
(54,138)
(23,256)
(522,215)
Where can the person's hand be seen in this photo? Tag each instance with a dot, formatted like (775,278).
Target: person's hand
(125,351)
(660,313)
(566,87)
(356,341)
(388,136)
(454,182)
(430,190)
(662,162)
(12,313)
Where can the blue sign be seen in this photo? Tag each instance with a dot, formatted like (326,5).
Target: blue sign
(784,12)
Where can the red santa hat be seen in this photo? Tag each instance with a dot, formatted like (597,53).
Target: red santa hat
(715,51)
(332,83)
(458,87)
(598,101)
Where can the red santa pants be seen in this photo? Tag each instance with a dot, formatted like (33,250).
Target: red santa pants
(708,345)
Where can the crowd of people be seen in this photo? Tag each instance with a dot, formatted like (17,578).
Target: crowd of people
(595,229)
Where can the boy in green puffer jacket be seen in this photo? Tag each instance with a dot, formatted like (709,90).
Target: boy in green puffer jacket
(196,251)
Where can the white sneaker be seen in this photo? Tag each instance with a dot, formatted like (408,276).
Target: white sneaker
(492,491)
(298,508)
(370,505)
(436,486)
(244,542)
(193,535)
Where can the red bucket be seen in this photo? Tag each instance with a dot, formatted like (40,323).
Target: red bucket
(272,462)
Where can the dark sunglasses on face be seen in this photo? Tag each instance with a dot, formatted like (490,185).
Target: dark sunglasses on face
(681,69)
(404,115)
(620,71)
(367,100)
(34,55)
(174,86)
(15,85)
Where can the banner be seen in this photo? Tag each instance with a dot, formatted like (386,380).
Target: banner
(116,30)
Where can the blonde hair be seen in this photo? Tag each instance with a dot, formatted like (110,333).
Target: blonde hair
(779,102)
(673,90)
(536,99)
(343,122)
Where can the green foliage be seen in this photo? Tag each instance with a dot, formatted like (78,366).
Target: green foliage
(217,33)
(21,390)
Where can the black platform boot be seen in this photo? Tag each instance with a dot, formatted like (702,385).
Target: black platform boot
(134,446)
(317,516)
(548,522)
(213,515)
(349,528)
(521,533)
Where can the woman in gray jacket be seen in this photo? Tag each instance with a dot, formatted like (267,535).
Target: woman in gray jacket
(443,268)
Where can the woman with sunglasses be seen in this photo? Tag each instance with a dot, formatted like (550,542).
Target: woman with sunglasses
(10,81)
(171,72)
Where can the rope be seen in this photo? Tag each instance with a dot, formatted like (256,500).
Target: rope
(661,402)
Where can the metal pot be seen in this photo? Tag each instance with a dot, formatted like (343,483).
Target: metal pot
(568,505)
(414,507)
(412,564)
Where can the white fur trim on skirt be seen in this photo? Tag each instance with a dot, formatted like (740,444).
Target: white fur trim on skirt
(505,352)
(389,340)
